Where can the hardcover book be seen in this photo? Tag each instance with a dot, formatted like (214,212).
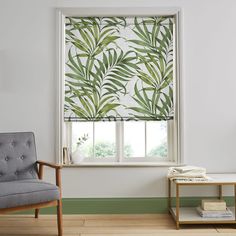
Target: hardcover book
(213,205)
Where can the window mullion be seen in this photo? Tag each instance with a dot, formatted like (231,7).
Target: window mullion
(119,141)
(170,140)
(68,137)
(93,139)
(145,127)
(122,141)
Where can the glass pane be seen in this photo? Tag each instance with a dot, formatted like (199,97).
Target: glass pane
(157,139)
(134,139)
(105,139)
(82,139)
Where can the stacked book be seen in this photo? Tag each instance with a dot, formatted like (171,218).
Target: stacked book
(214,208)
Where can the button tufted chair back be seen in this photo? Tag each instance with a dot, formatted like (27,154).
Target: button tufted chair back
(17,156)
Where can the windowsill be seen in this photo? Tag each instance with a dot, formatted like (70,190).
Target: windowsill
(123,164)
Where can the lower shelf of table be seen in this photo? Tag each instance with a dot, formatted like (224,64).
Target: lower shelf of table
(189,215)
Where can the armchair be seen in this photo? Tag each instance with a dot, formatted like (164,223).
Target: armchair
(21,184)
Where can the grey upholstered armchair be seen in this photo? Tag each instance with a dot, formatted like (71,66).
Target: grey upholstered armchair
(21,186)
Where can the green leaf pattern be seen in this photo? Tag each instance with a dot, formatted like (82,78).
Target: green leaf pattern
(119,68)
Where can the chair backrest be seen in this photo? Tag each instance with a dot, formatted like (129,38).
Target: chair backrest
(17,156)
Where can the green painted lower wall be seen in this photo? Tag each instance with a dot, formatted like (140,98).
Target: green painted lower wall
(120,205)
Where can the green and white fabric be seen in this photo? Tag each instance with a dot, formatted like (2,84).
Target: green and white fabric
(119,68)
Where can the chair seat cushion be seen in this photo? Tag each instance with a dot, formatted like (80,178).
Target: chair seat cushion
(26,192)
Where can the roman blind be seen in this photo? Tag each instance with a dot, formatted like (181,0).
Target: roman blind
(119,68)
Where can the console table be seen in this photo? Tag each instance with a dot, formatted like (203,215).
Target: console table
(189,215)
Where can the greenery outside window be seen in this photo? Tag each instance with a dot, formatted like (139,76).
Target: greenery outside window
(145,141)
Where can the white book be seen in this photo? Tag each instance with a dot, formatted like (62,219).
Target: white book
(214,214)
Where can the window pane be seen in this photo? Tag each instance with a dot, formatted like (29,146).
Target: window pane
(105,139)
(157,139)
(134,139)
(82,138)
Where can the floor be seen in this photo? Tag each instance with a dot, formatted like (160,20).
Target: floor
(107,225)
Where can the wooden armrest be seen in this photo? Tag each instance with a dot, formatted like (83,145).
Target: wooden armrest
(55,166)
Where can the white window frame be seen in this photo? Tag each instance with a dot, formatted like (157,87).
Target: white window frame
(174,153)
(119,144)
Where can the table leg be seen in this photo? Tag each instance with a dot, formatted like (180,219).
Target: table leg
(235,202)
(177,206)
(220,191)
(169,194)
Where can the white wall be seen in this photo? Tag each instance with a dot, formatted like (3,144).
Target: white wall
(28,90)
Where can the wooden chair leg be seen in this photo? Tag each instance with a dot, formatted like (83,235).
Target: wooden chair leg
(36,213)
(59,217)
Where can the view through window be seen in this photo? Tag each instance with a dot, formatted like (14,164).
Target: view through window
(120,141)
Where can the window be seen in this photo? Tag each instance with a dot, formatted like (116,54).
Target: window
(119,142)
(120,89)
